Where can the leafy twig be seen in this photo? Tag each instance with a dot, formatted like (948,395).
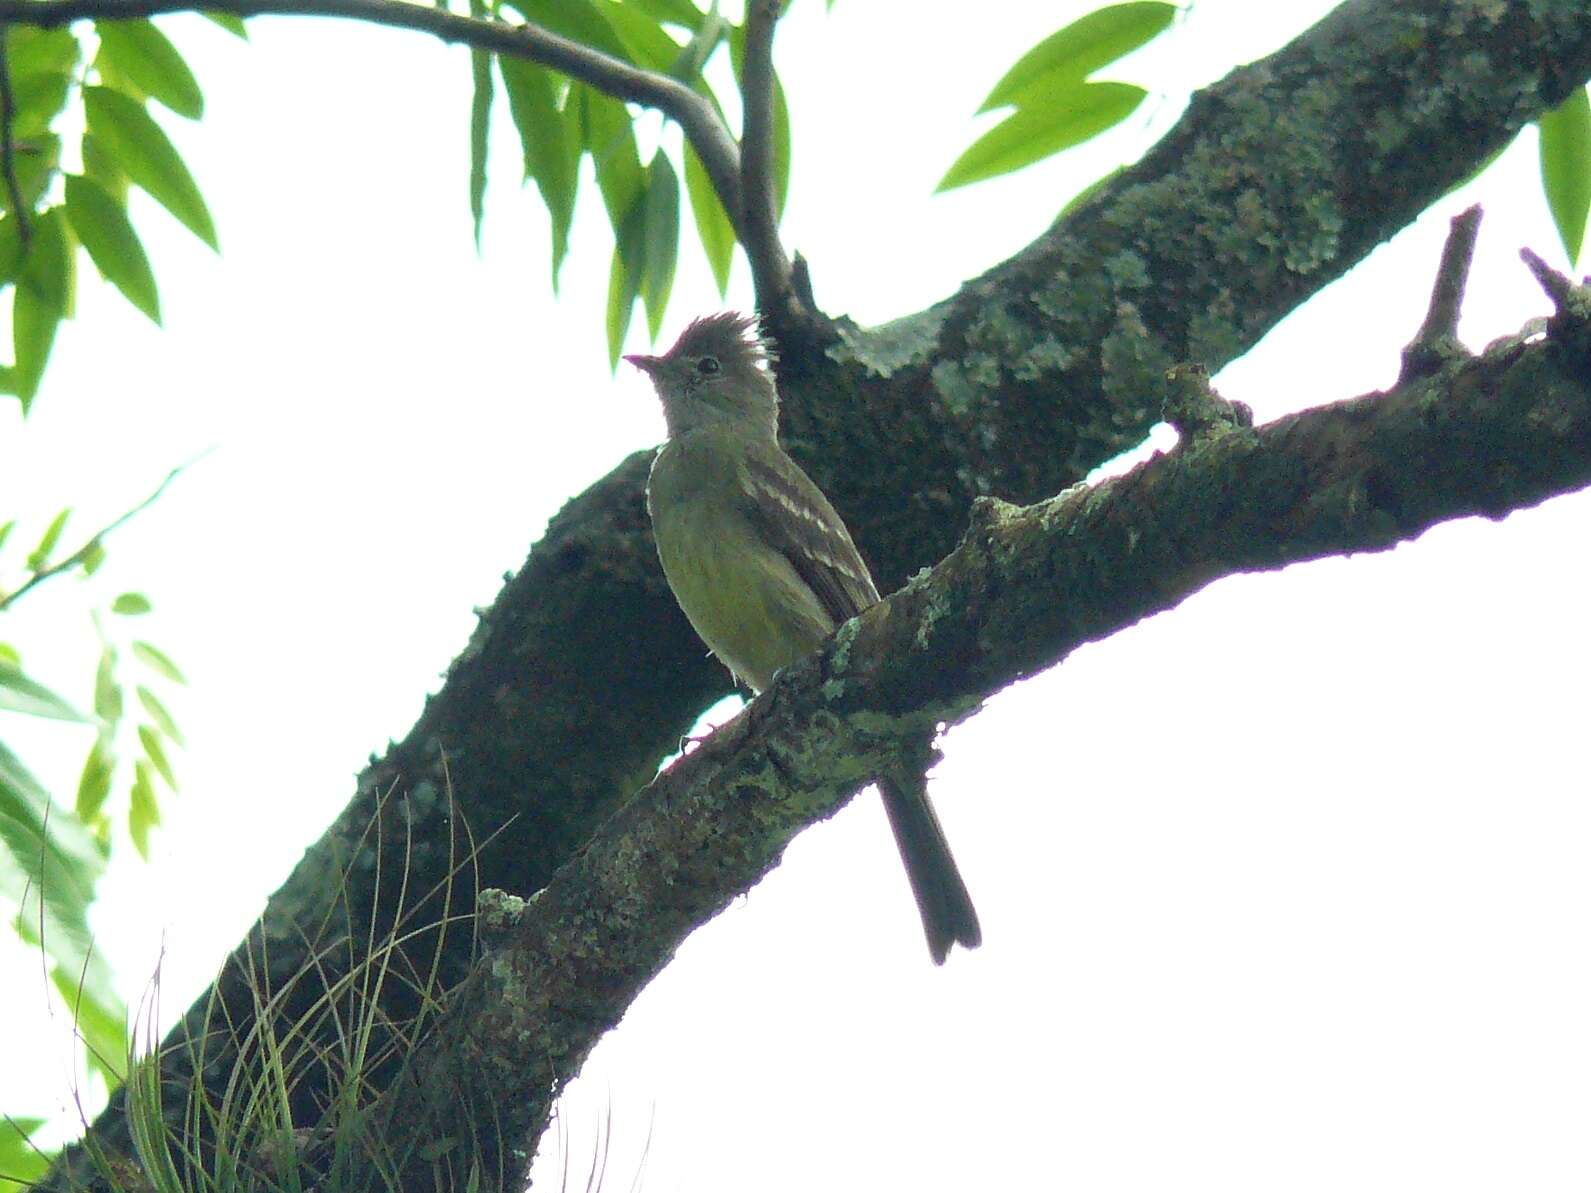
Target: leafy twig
(77,557)
(695,114)
(770,267)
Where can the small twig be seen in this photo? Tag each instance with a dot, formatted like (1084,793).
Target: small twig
(1558,286)
(8,145)
(77,557)
(702,125)
(1194,408)
(770,267)
(1437,339)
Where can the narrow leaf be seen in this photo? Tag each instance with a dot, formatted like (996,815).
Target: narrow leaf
(1028,135)
(102,225)
(93,785)
(1084,46)
(480,130)
(20,694)
(20,1160)
(131,603)
(131,136)
(643,38)
(712,221)
(93,556)
(159,660)
(145,55)
(45,271)
(781,147)
(156,753)
(32,51)
(623,285)
(609,137)
(578,20)
(160,715)
(231,22)
(1566,168)
(33,326)
(660,230)
(39,99)
(39,557)
(551,145)
(143,809)
(107,692)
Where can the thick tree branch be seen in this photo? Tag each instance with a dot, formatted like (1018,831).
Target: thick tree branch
(770,267)
(1277,180)
(695,115)
(1025,588)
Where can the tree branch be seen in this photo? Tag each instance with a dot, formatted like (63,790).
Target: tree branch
(8,146)
(1025,587)
(770,267)
(695,115)
(1438,335)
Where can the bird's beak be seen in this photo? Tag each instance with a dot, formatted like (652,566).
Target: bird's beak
(647,364)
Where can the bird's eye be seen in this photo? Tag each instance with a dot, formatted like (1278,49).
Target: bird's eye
(707,366)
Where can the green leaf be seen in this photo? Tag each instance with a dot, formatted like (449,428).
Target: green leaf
(54,865)
(480,128)
(33,51)
(37,161)
(709,35)
(93,556)
(644,41)
(107,692)
(231,22)
(1566,168)
(159,660)
(5,530)
(1028,135)
(39,99)
(551,143)
(578,20)
(781,147)
(20,694)
(624,284)
(143,809)
(609,137)
(33,325)
(156,753)
(45,271)
(131,136)
(93,784)
(660,228)
(39,557)
(102,225)
(10,249)
(100,1019)
(20,1160)
(672,12)
(104,169)
(131,603)
(1088,43)
(145,55)
(160,715)
(712,221)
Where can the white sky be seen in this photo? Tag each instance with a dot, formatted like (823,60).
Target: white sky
(1283,889)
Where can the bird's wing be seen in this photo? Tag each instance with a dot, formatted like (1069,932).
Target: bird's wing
(791,515)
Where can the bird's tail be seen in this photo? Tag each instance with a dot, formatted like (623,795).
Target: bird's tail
(942,899)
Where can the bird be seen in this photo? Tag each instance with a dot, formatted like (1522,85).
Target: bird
(765,569)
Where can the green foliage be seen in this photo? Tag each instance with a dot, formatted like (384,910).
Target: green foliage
(660,229)
(102,226)
(121,145)
(1072,54)
(1055,105)
(131,137)
(551,141)
(20,694)
(145,57)
(713,227)
(1566,168)
(20,1161)
(1030,134)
